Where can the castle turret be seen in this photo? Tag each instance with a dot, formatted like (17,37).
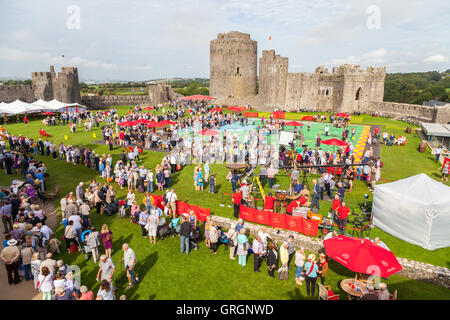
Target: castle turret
(233,65)
(273,72)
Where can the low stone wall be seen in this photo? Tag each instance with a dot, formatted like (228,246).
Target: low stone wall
(96,102)
(14,92)
(399,110)
(411,269)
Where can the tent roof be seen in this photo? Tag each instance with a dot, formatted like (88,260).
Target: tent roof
(420,187)
(436,129)
(18,106)
(55,104)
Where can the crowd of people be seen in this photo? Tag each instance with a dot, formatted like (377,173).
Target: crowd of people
(28,238)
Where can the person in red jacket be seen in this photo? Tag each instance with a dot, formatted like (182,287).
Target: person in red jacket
(26,121)
(335,206)
(343,212)
(295,204)
(237,197)
(269,202)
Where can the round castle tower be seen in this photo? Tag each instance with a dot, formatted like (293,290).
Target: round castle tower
(233,65)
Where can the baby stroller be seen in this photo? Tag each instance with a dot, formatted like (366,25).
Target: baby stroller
(86,248)
(135,217)
(112,208)
(163,230)
(175,226)
(222,237)
(195,239)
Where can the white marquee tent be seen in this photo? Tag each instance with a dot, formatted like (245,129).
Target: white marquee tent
(55,105)
(415,209)
(19,107)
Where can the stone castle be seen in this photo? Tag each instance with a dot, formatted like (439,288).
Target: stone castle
(234,81)
(47,86)
(233,75)
(63,87)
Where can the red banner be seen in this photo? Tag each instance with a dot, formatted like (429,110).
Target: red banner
(294,223)
(277,220)
(445,161)
(246,213)
(251,114)
(261,217)
(280,220)
(310,227)
(200,213)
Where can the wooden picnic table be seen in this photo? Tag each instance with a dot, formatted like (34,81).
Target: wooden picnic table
(350,285)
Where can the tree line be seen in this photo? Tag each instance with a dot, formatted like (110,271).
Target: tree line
(417,87)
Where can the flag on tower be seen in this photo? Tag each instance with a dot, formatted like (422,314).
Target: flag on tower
(270,37)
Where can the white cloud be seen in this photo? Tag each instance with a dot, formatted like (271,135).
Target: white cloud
(77,61)
(17,55)
(21,35)
(376,54)
(371,57)
(436,58)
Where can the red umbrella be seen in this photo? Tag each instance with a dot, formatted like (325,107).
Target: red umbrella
(197,97)
(208,132)
(125,124)
(238,109)
(342,115)
(360,255)
(154,124)
(294,124)
(47,113)
(217,110)
(308,118)
(166,122)
(334,142)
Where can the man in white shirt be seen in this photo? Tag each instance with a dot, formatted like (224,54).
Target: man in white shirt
(129,259)
(171,201)
(44,230)
(264,236)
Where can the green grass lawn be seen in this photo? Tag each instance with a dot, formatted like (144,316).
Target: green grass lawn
(167,274)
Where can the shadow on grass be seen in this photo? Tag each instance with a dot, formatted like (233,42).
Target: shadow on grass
(142,268)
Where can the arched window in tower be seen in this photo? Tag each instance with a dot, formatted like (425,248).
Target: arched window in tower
(237,72)
(358,94)
(328,92)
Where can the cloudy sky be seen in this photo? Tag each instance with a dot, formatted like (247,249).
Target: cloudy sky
(147,39)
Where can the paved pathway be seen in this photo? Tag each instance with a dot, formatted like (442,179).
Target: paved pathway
(25,289)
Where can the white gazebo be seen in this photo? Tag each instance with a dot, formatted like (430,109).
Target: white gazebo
(415,209)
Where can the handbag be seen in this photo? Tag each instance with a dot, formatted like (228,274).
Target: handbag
(283,273)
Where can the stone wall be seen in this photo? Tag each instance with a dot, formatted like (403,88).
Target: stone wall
(101,102)
(233,65)
(411,269)
(399,110)
(14,92)
(442,114)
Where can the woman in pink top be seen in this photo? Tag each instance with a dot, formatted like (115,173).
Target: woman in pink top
(85,294)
